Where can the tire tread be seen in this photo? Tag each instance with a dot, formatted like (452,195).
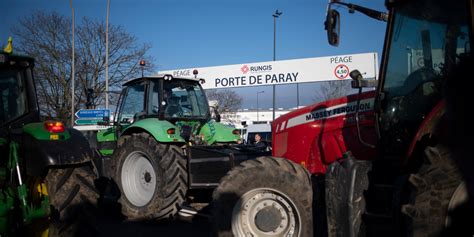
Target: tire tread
(270,172)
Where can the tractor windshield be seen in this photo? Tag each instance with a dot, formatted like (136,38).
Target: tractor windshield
(423,48)
(132,103)
(182,99)
(13,101)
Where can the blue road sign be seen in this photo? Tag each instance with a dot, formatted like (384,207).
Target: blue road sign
(87,121)
(92,113)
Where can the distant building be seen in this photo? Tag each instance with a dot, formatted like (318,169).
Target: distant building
(249,116)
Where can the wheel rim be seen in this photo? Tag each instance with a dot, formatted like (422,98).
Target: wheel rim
(459,197)
(138,179)
(265,212)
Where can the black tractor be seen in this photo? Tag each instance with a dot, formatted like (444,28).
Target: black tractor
(46,173)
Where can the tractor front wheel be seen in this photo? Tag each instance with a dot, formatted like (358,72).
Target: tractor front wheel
(152,177)
(264,197)
(436,190)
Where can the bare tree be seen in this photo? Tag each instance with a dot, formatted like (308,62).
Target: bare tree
(124,55)
(47,38)
(332,90)
(228,102)
(51,46)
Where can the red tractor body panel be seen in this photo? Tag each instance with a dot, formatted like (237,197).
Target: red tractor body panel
(427,127)
(319,134)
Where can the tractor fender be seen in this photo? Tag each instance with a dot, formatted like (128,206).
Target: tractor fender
(41,154)
(429,126)
(156,128)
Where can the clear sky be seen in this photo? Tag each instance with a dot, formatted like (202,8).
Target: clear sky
(201,33)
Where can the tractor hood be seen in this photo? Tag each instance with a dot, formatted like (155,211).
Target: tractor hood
(209,133)
(317,135)
(219,133)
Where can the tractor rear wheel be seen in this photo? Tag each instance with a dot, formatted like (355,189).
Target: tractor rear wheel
(152,177)
(73,196)
(436,190)
(264,197)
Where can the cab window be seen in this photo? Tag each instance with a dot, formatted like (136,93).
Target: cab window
(13,98)
(133,103)
(423,49)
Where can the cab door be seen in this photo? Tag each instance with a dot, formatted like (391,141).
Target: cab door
(132,106)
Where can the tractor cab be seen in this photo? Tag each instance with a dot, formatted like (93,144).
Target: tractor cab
(173,99)
(420,50)
(17,99)
(179,104)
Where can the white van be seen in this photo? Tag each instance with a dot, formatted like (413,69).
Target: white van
(265,131)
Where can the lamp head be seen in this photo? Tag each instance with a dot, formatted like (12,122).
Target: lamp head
(277,13)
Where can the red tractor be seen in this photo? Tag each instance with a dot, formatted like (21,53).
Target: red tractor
(378,162)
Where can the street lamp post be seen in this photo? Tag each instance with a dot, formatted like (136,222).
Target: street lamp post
(258,92)
(275,16)
(107,56)
(72,67)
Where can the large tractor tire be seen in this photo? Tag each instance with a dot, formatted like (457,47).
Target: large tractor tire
(264,197)
(73,197)
(436,190)
(152,177)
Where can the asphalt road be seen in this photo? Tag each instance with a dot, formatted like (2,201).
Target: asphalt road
(110,227)
(111,223)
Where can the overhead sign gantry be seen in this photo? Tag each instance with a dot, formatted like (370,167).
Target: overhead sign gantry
(284,71)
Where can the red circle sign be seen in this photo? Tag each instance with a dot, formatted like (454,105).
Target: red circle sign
(341,71)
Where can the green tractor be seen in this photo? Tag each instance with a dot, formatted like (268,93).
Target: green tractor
(164,145)
(46,176)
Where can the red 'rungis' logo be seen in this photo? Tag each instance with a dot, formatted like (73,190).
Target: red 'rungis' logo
(244,69)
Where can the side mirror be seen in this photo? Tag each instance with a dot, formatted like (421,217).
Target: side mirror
(355,75)
(217,116)
(332,26)
(126,121)
(104,122)
(358,80)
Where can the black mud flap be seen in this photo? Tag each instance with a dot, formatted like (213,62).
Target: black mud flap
(208,164)
(42,154)
(346,182)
